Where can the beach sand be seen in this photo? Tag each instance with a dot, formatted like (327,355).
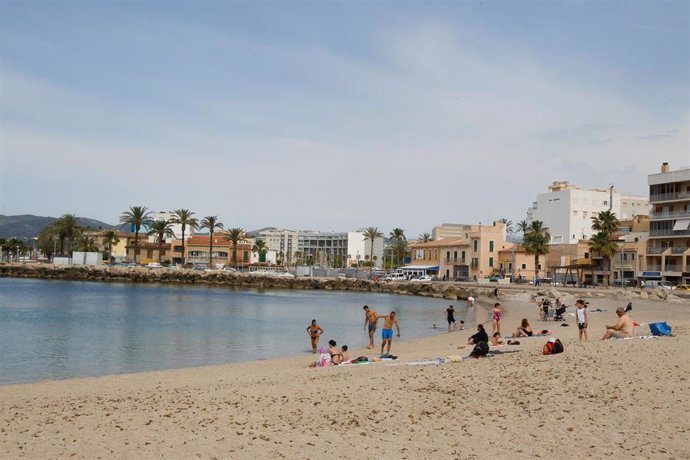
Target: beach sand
(622,398)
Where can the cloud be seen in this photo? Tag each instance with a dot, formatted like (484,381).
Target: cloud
(427,127)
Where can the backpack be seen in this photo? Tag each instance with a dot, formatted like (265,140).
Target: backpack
(552,348)
(480,349)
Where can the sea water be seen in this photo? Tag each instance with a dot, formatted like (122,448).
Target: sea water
(63,329)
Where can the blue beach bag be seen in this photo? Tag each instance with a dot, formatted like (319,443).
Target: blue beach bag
(660,328)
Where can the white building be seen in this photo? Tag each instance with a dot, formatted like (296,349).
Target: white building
(176,228)
(283,242)
(567,210)
(338,249)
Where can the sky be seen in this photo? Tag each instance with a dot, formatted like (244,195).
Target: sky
(335,115)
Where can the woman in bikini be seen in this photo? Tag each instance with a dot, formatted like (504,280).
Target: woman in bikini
(525,330)
(314,331)
(335,352)
(496,326)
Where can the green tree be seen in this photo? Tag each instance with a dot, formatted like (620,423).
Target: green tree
(68,229)
(397,234)
(212,224)
(606,224)
(110,239)
(260,248)
(162,229)
(400,248)
(508,223)
(536,242)
(184,217)
(425,237)
(371,234)
(86,244)
(522,227)
(235,235)
(136,217)
(602,244)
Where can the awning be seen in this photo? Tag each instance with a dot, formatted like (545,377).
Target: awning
(681,224)
(419,267)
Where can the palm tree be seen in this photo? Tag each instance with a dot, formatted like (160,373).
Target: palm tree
(162,229)
(260,248)
(67,227)
(371,234)
(136,217)
(606,221)
(212,224)
(184,218)
(602,244)
(397,234)
(235,235)
(536,242)
(86,244)
(110,239)
(425,237)
(401,248)
(508,223)
(606,224)
(522,227)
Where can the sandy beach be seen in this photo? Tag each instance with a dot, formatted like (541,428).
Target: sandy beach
(622,398)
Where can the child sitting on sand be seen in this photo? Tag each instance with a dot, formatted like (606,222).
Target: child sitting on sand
(344,354)
(496,339)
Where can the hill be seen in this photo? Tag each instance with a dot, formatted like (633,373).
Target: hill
(27,226)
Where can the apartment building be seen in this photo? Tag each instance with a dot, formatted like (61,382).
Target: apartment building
(668,248)
(473,255)
(516,263)
(338,249)
(283,242)
(567,210)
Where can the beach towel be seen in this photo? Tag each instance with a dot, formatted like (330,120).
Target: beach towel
(660,329)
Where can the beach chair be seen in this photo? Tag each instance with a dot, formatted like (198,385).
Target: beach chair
(558,313)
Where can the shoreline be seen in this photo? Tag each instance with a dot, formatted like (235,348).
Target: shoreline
(621,398)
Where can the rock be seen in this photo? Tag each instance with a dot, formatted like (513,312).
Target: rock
(644,295)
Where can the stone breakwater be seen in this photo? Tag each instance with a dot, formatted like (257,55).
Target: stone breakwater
(235,280)
(441,290)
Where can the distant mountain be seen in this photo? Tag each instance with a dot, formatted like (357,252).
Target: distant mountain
(26,226)
(255,233)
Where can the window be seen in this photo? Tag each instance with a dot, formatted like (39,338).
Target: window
(586,255)
(419,254)
(246,256)
(524,266)
(475,244)
(575,213)
(606,203)
(491,261)
(447,254)
(491,248)
(149,254)
(584,214)
(573,236)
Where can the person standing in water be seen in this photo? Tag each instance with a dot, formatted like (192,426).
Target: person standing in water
(450,314)
(370,321)
(314,331)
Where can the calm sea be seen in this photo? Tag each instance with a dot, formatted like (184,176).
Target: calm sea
(63,329)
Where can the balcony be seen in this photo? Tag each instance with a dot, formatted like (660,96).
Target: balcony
(455,260)
(679,250)
(656,251)
(669,197)
(669,215)
(669,232)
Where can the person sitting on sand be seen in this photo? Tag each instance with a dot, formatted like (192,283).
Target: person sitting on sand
(336,354)
(622,329)
(314,331)
(496,339)
(344,354)
(525,330)
(480,336)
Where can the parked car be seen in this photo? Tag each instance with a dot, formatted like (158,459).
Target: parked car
(589,283)
(570,283)
(396,277)
(421,279)
(229,270)
(154,265)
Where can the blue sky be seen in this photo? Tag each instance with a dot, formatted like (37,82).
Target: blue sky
(335,115)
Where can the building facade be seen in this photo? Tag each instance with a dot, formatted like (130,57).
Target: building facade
(567,210)
(668,248)
(284,243)
(474,255)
